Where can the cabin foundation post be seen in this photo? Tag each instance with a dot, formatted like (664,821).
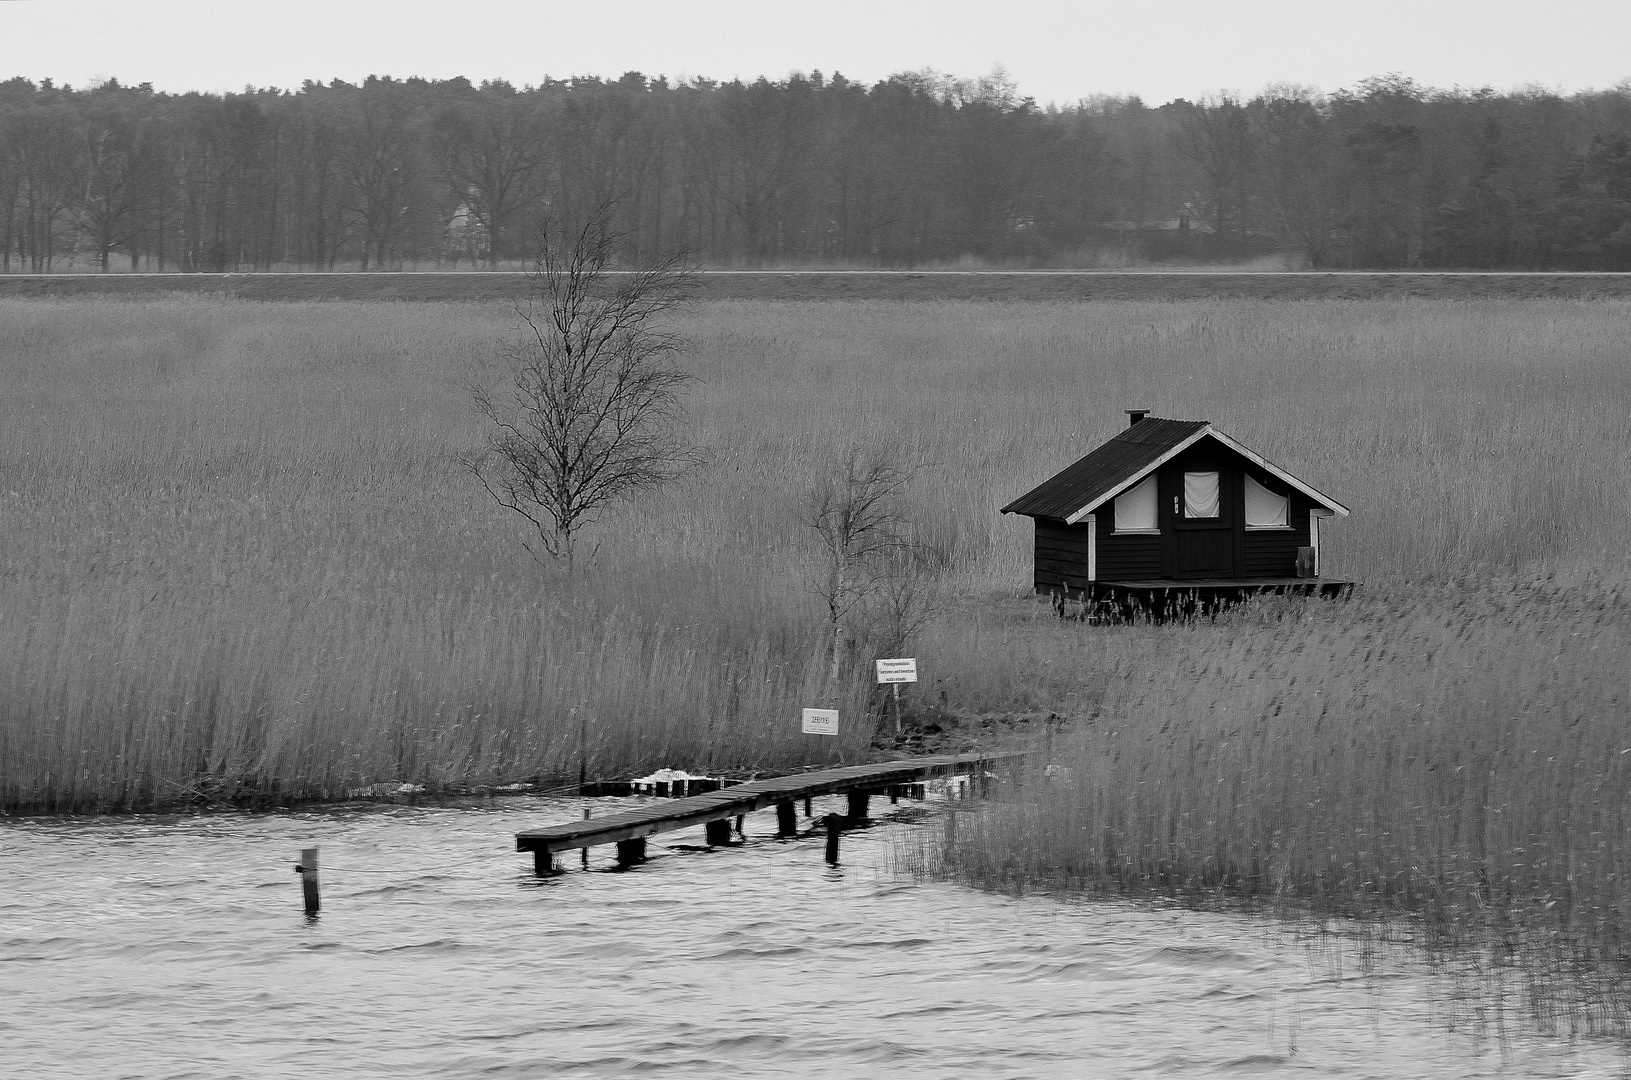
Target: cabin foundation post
(787,822)
(857,805)
(834,829)
(718,832)
(543,862)
(307,869)
(630,852)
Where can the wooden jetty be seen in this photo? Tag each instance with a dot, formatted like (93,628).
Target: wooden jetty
(716,809)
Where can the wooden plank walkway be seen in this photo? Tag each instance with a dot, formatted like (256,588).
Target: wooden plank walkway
(633,826)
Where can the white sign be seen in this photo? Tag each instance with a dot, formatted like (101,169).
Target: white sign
(821,721)
(897,671)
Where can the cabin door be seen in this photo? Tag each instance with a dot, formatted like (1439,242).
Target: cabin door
(1200,499)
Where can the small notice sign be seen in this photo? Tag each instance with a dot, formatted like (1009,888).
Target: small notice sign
(821,721)
(897,671)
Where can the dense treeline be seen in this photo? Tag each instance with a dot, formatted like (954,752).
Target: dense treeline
(914,170)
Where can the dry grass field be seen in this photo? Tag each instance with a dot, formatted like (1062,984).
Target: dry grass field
(240,558)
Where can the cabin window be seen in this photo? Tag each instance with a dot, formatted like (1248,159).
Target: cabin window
(1265,509)
(1135,509)
(1200,494)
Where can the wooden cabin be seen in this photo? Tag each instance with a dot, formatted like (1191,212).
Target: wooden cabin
(1176,509)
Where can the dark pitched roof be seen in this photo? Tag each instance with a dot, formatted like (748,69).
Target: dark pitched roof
(1132,451)
(1125,459)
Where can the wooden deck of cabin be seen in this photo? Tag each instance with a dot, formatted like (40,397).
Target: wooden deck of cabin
(1323,586)
(714,809)
(1180,596)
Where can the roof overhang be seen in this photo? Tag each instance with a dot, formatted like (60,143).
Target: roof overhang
(1210,432)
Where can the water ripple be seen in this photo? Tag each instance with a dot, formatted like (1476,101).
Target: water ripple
(175,948)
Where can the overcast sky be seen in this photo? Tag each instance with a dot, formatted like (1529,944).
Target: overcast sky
(1056,50)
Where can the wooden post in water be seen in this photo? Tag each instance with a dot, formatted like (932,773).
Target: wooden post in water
(584,852)
(857,805)
(834,827)
(308,879)
(630,852)
(543,863)
(739,819)
(894,794)
(718,832)
(806,806)
(787,822)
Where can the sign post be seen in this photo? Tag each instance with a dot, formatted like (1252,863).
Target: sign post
(821,721)
(892,673)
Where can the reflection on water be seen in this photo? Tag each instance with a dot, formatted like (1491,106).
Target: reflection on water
(177,948)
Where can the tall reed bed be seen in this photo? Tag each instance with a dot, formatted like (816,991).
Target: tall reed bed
(239,553)
(1450,764)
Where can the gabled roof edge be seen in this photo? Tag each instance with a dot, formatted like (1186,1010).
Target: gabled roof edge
(1264,463)
(1009,509)
(1250,455)
(1137,476)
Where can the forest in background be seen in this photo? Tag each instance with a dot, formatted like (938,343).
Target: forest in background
(917,170)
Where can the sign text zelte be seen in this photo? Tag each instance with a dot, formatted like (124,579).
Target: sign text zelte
(897,671)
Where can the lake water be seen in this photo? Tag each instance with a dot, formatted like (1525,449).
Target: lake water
(143,947)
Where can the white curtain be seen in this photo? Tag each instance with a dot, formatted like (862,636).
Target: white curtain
(1265,509)
(1200,494)
(1135,509)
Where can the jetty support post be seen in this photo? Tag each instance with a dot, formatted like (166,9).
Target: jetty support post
(543,862)
(787,822)
(630,852)
(806,806)
(835,825)
(857,805)
(307,869)
(719,832)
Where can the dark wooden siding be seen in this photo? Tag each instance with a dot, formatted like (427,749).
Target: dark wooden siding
(1061,555)
(1126,558)
(1273,553)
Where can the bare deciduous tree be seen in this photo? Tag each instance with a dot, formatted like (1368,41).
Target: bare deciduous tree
(590,413)
(870,569)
